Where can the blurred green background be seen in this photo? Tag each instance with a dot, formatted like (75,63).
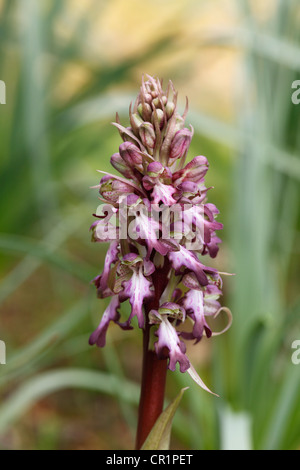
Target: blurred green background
(68,67)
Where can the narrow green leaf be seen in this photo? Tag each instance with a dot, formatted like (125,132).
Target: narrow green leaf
(159,437)
(51,335)
(44,252)
(46,383)
(287,401)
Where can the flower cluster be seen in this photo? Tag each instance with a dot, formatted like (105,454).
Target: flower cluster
(167,285)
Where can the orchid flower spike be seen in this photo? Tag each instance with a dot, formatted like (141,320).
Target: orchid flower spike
(156,217)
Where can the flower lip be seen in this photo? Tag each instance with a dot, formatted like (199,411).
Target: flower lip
(111,314)
(168,340)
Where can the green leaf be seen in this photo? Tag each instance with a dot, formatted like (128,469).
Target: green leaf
(159,437)
(43,251)
(50,336)
(46,383)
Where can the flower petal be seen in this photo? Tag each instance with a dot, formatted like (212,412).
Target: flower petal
(111,314)
(194,306)
(187,259)
(111,257)
(168,339)
(163,193)
(137,289)
(192,372)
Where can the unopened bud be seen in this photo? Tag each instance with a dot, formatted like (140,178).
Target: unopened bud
(194,171)
(155,169)
(158,115)
(170,107)
(189,188)
(119,164)
(131,155)
(112,189)
(145,111)
(136,121)
(157,103)
(147,135)
(147,97)
(197,168)
(180,144)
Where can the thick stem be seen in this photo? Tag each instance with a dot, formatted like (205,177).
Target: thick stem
(152,394)
(154,371)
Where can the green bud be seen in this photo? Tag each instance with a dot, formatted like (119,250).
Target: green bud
(136,121)
(179,123)
(157,103)
(145,111)
(170,107)
(160,115)
(147,135)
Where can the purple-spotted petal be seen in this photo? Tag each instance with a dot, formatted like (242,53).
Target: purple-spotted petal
(147,229)
(163,193)
(168,339)
(194,306)
(186,259)
(211,303)
(111,257)
(137,289)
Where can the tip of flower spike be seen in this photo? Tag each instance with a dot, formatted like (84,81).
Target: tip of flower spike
(151,160)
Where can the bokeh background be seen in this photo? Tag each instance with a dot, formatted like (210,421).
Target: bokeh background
(68,67)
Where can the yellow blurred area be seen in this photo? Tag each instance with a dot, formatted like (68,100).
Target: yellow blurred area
(207,70)
(121,30)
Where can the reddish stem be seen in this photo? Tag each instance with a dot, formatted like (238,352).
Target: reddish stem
(154,370)
(152,395)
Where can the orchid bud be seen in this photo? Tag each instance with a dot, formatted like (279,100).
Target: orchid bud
(111,189)
(145,111)
(119,164)
(170,107)
(131,155)
(194,171)
(155,169)
(147,135)
(157,103)
(136,121)
(147,97)
(159,116)
(180,144)
(189,188)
